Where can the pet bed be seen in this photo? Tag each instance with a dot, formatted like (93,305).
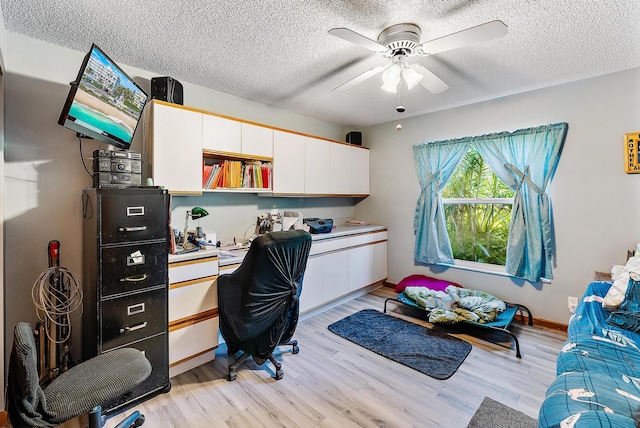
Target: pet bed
(501,322)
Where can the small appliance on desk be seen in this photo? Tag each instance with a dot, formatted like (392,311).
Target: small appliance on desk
(319,225)
(292,220)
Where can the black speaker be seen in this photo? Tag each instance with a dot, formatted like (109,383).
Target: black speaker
(354,137)
(166,89)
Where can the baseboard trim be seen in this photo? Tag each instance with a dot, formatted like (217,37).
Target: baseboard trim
(538,322)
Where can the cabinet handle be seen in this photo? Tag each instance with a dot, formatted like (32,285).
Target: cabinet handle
(133,327)
(134,278)
(132,229)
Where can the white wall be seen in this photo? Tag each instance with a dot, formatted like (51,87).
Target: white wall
(595,204)
(45,177)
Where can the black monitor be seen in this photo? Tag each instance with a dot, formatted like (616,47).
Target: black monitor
(104,103)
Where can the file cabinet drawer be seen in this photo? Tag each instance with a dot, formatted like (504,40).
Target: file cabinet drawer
(155,349)
(133,217)
(133,267)
(130,318)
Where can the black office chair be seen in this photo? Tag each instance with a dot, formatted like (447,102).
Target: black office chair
(79,390)
(258,303)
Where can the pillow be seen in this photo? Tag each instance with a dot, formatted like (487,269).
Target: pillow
(628,314)
(615,295)
(616,270)
(423,281)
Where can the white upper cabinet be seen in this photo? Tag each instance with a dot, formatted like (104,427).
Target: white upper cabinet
(221,134)
(317,166)
(340,175)
(359,170)
(257,140)
(177,139)
(288,163)
(173,148)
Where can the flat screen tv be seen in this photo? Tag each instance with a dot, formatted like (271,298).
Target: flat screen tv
(103,102)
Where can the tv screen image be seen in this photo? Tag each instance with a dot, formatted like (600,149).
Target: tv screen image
(104,102)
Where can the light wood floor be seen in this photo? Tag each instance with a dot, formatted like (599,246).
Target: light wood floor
(335,383)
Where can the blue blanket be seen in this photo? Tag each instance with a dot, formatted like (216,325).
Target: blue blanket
(598,368)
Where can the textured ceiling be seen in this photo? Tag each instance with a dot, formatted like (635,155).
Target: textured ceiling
(278,52)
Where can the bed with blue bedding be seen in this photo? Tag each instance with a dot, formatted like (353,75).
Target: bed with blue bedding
(464,307)
(598,367)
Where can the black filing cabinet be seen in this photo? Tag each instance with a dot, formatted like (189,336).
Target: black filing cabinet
(125,281)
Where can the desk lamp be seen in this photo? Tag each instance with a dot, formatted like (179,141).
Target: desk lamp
(194,213)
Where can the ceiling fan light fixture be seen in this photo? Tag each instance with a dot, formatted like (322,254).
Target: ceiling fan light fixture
(411,76)
(391,78)
(391,75)
(390,87)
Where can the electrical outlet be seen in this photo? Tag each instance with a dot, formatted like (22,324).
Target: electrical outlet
(572,303)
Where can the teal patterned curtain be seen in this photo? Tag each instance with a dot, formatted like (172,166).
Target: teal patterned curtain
(526,160)
(435,164)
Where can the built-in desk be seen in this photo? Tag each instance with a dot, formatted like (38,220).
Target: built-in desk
(193,310)
(349,261)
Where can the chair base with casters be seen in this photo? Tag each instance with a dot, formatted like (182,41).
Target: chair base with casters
(78,391)
(96,420)
(233,367)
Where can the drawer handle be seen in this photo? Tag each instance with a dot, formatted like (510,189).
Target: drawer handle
(132,229)
(133,327)
(134,278)
(135,309)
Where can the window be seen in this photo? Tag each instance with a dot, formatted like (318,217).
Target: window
(477,209)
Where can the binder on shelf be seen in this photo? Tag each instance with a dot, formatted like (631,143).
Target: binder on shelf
(236,174)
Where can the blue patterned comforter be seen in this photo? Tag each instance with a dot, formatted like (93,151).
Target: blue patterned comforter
(598,370)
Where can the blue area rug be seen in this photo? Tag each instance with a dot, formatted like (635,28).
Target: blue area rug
(428,351)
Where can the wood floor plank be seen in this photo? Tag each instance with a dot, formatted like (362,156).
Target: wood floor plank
(335,383)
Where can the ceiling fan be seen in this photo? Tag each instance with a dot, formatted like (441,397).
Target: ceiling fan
(401,41)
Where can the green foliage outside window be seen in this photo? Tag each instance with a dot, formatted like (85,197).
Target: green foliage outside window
(478,231)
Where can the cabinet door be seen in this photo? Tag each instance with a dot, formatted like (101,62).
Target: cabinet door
(312,285)
(359,169)
(378,261)
(360,274)
(340,175)
(336,274)
(221,134)
(317,162)
(257,140)
(177,149)
(288,162)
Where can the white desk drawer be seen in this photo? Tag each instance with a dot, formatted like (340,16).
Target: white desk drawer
(192,269)
(359,239)
(192,299)
(378,236)
(228,269)
(327,245)
(188,342)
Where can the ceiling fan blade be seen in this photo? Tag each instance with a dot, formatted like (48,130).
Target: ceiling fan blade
(429,80)
(480,33)
(359,79)
(358,39)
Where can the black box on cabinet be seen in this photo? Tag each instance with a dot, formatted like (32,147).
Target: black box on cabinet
(355,138)
(166,89)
